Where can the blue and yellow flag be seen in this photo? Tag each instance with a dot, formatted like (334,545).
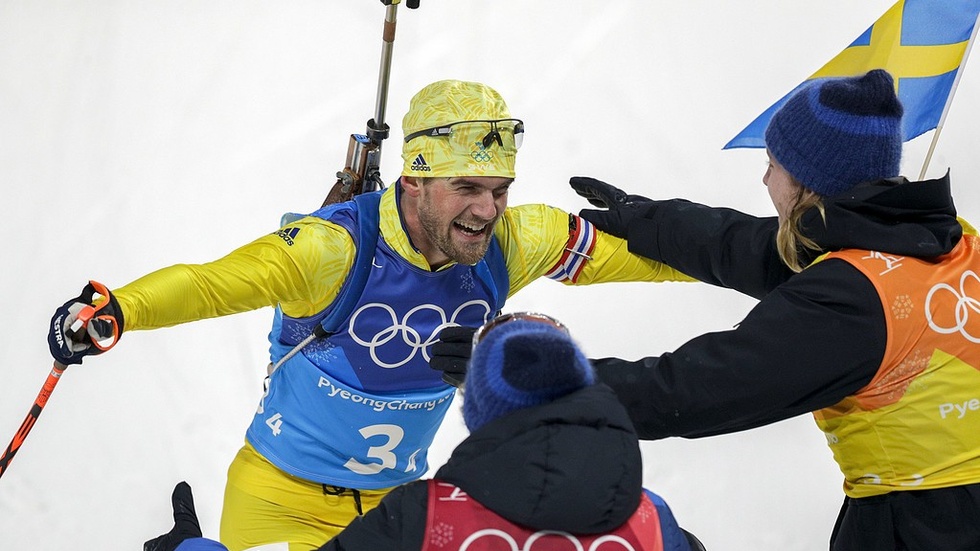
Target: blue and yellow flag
(920,42)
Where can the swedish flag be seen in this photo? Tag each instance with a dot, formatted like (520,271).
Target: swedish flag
(920,42)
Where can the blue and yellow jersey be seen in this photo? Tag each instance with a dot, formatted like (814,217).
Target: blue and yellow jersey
(302,267)
(370,378)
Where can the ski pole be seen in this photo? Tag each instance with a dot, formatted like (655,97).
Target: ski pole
(25,428)
(81,321)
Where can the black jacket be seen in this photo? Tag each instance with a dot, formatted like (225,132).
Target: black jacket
(572,465)
(813,339)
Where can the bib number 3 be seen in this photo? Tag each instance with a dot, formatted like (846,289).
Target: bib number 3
(394,435)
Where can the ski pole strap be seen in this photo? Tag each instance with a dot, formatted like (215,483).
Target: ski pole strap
(103,313)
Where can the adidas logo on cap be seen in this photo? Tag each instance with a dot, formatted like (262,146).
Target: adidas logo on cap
(420,164)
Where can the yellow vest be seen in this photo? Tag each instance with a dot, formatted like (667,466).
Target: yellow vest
(917,424)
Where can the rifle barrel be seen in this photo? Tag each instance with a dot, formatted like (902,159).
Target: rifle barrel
(388,42)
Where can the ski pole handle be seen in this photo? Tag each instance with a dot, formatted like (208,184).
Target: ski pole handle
(25,428)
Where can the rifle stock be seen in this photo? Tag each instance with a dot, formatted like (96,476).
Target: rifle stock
(358,171)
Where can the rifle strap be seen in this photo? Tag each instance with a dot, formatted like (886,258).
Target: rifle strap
(367,240)
(368,205)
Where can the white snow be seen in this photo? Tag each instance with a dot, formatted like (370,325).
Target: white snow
(135,135)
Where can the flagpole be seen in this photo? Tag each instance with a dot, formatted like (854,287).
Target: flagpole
(949,100)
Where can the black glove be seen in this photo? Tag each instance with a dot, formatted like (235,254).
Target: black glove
(620,207)
(186,525)
(451,353)
(80,328)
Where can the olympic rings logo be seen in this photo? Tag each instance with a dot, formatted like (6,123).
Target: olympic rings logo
(409,335)
(542,535)
(964,305)
(481,155)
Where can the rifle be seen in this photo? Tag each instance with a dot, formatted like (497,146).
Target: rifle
(361,172)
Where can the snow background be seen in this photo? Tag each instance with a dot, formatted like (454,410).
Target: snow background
(135,135)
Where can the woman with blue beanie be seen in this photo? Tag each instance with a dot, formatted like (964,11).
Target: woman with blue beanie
(552,462)
(869,317)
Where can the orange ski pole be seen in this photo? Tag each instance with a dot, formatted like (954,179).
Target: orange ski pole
(25,428)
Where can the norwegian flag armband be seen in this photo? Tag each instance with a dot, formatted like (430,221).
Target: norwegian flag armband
(578,250)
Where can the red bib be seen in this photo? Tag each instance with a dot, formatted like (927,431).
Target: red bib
(457,522)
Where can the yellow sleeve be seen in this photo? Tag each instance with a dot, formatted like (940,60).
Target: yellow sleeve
(301,266)
(968,228)
(612,261)
(534,239)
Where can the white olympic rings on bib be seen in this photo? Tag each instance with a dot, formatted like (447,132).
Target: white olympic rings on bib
(409,335)
(529,544)
(964,304)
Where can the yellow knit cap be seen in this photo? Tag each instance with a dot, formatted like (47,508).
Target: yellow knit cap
(456,128)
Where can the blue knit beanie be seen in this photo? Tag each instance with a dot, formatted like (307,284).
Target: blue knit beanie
(520,364)
(833,134)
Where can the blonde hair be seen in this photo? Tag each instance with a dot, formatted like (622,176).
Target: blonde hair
(790,241)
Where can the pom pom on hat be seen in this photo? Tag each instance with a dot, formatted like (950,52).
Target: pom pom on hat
(521,364)
(835,133)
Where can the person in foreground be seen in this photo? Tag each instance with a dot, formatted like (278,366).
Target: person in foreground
(868,317)
(552,459)
(361,289)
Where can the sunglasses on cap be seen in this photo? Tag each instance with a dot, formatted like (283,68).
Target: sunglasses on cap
(516,316)
(507,133)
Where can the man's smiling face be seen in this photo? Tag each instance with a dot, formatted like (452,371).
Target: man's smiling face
(458,216)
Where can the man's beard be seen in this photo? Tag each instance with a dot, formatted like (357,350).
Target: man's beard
(441,236)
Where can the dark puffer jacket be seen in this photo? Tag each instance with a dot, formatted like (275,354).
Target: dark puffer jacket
(571,465)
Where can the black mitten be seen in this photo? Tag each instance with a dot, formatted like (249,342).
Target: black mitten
(186,525)
(451,353)
(619,207)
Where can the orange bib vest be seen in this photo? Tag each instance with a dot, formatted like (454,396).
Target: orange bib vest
(916,425)
(457,522)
